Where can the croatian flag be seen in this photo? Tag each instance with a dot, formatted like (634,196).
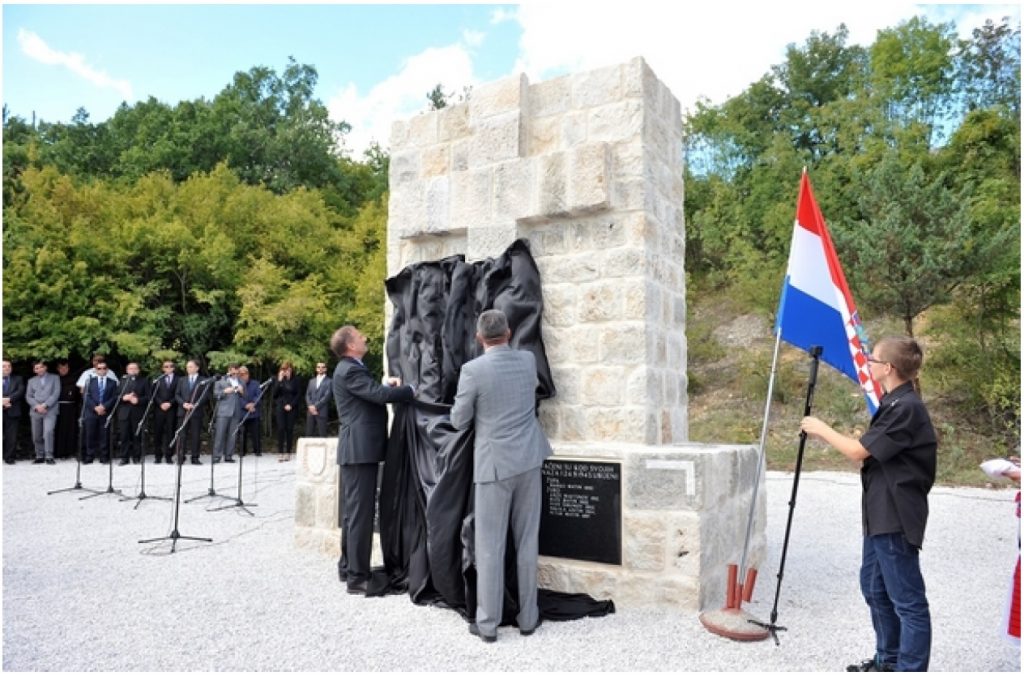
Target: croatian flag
(816,307)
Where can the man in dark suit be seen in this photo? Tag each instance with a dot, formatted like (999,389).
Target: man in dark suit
(318,397)
(134,398)
(251,405)
(14,394)
(497,395)
(99,395)
(66,437)
(191,394)
(165,412)
(362,442)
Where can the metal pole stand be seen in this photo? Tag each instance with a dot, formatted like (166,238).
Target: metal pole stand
(78,467)
(141,432)
(771,625)
(241,459)
(175,535)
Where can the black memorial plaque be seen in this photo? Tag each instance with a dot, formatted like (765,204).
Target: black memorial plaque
(581,511)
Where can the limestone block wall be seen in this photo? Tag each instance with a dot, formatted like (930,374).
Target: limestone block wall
(316,496)
(587,167)
(684,510)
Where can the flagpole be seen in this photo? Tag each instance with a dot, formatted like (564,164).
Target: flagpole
(761,456)
(732,621)
(812,381)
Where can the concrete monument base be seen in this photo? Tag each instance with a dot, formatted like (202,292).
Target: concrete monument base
(684,512)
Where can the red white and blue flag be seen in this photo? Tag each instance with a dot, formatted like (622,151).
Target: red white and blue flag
(816,307)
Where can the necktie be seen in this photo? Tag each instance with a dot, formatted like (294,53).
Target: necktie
(168,379)
(191,383)
(6,380)
(102,380)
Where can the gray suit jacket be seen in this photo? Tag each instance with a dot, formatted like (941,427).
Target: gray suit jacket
(44,389)
(498,390)
(228,405)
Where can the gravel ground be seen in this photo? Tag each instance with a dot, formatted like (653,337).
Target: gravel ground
(81,594)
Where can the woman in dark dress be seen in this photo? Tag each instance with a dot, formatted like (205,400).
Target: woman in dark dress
(286,405)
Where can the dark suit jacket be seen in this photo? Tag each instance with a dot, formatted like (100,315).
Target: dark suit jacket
(319,397)
(140,386)
(360,400)
(252,392)
(286,392)
(93,399)
(162,392)
(16,393)
(182,395)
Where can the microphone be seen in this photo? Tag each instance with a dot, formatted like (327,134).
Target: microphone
(156,380)
(266,382)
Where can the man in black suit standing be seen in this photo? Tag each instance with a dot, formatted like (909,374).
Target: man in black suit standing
(99,395)
(192,393)
(66,437)
(165,411)
(318,397)
(362,443)
(134,398)
(14,394)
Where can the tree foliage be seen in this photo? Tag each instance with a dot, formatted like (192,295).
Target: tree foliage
(913,144)
(226,229)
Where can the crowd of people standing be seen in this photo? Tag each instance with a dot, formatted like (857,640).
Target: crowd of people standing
(99,414)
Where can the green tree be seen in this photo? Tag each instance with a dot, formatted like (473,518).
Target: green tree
(437,98)
(989,67)
(914,245)
(912,75)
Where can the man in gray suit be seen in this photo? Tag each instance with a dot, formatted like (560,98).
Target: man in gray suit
(497,394)
(42,394)
(318,396)
(227,393)
(362,442)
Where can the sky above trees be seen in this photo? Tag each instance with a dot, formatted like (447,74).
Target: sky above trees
(376,62)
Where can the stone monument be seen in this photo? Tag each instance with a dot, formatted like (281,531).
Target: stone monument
(587,168)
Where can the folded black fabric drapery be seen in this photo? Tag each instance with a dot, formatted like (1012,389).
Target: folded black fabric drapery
(426,500)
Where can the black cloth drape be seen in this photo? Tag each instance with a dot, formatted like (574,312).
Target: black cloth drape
(426,501)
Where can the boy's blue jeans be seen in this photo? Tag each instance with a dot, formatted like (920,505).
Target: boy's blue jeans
(890,579)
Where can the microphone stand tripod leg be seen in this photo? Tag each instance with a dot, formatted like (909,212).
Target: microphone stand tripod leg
(78,466)
(142,467)
(210,492)
(110,470)
(175,535)
(238,501)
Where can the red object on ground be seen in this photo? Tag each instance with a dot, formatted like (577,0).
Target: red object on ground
(732,621)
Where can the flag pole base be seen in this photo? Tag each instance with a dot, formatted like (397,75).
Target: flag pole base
(733,623)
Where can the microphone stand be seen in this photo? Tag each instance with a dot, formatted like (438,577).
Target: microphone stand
(241,458)
(176,443)
(210,493)
(81,442)
(110,446)
(140,431)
